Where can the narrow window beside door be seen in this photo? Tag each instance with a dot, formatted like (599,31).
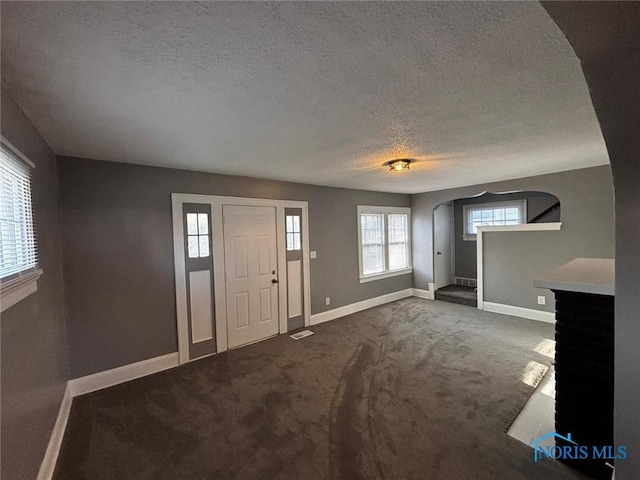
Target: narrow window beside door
(198,235)
(293,232)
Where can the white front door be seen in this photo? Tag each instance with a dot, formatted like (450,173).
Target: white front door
(251,273)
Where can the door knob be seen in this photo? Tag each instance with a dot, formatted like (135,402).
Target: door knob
(273,280)
(439,253)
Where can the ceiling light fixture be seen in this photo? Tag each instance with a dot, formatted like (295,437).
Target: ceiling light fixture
(400,165)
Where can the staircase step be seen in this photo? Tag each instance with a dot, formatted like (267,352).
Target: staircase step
(458,300)
(458,294)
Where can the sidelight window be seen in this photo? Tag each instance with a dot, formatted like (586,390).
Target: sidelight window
(293,232)
(198,235)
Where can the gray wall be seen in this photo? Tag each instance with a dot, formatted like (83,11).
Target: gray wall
(465,250)
(586,197)
(513,260)
(606,37)
(119,273)
(34,345)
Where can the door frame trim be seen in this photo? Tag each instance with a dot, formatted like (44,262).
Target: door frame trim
(217,202)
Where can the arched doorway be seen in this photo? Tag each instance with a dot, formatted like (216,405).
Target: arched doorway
(455,246)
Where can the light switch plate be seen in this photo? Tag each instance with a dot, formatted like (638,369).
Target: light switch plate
(542,300)
(312,254)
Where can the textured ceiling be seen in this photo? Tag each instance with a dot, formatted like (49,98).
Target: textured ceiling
(320,93)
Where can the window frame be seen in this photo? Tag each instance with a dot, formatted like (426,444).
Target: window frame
(384,211)
(20,285)
(521,204)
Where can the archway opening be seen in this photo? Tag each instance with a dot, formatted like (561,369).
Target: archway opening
(455,231)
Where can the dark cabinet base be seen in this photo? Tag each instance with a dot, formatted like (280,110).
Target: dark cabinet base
(584,375)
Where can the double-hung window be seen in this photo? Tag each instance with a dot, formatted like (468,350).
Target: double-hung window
(384,242)
(18,253)
(497,214)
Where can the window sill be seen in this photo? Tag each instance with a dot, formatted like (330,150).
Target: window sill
(18,289)
(380,276)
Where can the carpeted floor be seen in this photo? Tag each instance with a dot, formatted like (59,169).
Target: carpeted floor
(414,389)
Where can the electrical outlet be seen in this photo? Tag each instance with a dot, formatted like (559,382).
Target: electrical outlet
(312,254)
(542,300)
(327,301)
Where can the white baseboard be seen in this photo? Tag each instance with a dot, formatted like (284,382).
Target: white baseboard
(108,378)
(359,306)
(48,464)
(91,383)
(548,317)
(428,294)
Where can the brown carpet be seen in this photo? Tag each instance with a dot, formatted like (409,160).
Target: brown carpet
(414,389)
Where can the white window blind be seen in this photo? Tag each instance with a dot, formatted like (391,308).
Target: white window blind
(18,252)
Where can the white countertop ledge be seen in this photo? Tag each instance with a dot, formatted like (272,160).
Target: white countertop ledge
(582,275)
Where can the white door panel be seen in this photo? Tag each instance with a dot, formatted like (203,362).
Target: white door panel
(443,256)
(241,309)
(201,311)
(250,265)
(265,304)
(240,258)
(264,257)
(294,291)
